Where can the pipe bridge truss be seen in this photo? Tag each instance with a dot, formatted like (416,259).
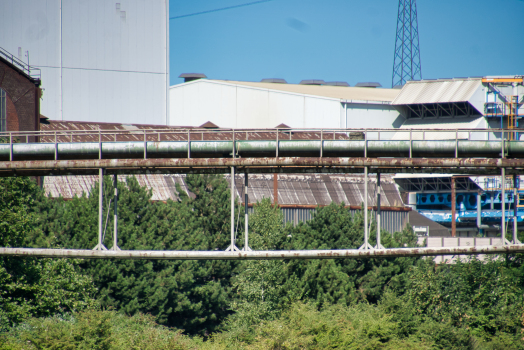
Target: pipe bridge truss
(167,151)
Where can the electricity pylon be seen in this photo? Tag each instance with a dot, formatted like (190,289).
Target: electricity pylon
(406,63)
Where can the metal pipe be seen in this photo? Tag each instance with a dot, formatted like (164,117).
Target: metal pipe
(246,148)
(260,255)
(275,189)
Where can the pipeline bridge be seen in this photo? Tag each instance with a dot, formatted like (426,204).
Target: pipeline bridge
(375,151)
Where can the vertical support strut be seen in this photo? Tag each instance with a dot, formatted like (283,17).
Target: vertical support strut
(366,243)
(453,208)
(100,245)
(115,222)
(246,219)
(479,215)
(232,247)
(379,243)
(515,208)
(503,206)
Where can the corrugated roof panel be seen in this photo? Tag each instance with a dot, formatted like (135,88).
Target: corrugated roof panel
(437,91)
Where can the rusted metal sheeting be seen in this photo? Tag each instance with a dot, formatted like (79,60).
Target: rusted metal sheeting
(260,255)
(268,161)
(255,170)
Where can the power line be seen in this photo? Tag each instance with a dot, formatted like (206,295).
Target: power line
(220,9)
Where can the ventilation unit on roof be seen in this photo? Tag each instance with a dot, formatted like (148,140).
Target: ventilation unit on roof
(369,85)
(337,83)
(274,80)
(209,125)
(313,82)
(191,76)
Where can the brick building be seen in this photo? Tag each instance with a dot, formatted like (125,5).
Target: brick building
(19,95)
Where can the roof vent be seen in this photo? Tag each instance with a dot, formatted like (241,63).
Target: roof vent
(369,85)
(209,125)
(337,83)
(191,76)
(312,82)
(274,80)
(282,126)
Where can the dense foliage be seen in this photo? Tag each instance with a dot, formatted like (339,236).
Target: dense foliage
(388,303)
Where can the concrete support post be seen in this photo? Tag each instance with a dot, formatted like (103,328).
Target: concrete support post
(453,208)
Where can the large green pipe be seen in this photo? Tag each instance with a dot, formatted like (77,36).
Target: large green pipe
(286,148)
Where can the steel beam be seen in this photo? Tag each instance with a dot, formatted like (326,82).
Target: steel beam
(258,170)
(308,162)
(261,255)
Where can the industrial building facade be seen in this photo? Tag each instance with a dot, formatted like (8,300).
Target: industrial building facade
(100,60)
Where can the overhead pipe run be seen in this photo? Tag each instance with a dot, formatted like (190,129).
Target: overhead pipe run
(246,148)
(260,255)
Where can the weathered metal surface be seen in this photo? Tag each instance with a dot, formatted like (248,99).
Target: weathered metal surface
(261,255)
(265,162)
(254,170)
(200,149)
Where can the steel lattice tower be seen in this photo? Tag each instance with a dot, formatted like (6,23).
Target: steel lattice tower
(406,63)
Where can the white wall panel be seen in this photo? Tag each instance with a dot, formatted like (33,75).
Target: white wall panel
(361,115)
(114,61)
(252,108)
(285,108)
(321,113)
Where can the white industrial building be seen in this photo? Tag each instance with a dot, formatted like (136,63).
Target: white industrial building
(460,103)
(103,61)
(239,104)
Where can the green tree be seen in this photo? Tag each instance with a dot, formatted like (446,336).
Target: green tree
(192,295)
(32,287)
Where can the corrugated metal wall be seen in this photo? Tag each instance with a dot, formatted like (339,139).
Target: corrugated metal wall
(100,60)
(391,221)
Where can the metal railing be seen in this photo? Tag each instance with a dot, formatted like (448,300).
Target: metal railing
(31,71)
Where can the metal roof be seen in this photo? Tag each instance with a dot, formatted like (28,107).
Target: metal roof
(299,190)
(334,92)
(437,91)
(134,132)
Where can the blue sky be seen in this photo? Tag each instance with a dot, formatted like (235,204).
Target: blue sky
(338,40)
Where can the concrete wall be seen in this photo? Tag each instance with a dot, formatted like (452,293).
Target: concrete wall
(101,61)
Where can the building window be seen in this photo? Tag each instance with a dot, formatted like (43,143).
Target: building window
(3,111)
